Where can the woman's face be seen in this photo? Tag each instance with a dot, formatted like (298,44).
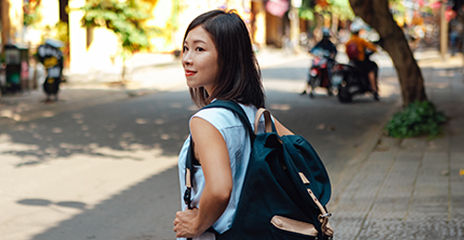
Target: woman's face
(199,59)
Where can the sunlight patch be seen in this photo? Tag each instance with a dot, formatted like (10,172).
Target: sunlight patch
(141,121)
(280,107)
(47,114)
(165,136)
(57,130)
(10,114)
(55,191)
(159,121)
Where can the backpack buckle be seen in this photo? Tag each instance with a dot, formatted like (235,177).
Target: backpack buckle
(187,196)
(326,215)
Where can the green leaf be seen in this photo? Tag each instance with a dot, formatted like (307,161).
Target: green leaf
(125,18)
(418,118)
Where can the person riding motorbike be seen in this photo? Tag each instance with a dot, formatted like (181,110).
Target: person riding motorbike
(356,50)
(325,45)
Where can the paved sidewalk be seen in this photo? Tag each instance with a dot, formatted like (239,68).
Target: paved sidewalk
(411,188)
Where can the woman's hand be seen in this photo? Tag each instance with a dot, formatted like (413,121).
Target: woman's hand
(186,224)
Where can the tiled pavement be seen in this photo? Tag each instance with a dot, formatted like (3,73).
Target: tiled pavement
(412,188)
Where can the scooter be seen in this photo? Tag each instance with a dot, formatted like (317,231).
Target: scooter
(319,71)
(350,80)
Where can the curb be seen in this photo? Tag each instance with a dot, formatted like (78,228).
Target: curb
(363,154)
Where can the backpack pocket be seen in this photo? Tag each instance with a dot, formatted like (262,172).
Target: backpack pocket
(288,228)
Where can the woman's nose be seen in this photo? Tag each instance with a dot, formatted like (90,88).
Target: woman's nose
(186,58)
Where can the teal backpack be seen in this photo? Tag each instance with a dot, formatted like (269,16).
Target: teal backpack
(285,190)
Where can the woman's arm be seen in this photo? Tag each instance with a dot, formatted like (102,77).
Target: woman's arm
(211,150)
(369,45)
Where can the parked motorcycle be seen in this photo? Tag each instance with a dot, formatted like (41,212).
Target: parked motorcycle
(350,80)
(319,71)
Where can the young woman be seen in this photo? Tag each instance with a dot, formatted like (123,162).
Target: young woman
(219,63)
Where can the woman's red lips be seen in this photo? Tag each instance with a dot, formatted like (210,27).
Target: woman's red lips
(189,73)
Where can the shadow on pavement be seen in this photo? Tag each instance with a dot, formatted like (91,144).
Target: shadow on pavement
(45,202)
(144,123)
(141,212)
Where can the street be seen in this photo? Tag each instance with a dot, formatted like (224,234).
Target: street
(107,170)
(95,107)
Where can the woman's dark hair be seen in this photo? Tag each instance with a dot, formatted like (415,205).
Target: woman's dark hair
(239,76)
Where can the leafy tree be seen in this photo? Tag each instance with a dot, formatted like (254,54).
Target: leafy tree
(125,18)
(419,116)
(339,8)
(31,15)
(378,15)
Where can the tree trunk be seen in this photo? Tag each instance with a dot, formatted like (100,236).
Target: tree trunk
(377,14)
(5,20)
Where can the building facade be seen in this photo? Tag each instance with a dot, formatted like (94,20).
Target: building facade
(86,48)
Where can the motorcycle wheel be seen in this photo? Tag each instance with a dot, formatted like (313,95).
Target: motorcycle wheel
(344,95)
(314,82)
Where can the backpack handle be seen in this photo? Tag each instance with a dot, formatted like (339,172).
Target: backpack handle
(268,124)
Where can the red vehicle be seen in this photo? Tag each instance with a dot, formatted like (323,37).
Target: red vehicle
(319,72)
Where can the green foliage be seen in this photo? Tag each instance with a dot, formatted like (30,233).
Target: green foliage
(307,9)
(31,14)
(308,4)
(305,13)
(125,18)
(417,119)
(341,8)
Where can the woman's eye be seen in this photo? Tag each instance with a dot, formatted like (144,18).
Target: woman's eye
(200,49)
(184,49)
